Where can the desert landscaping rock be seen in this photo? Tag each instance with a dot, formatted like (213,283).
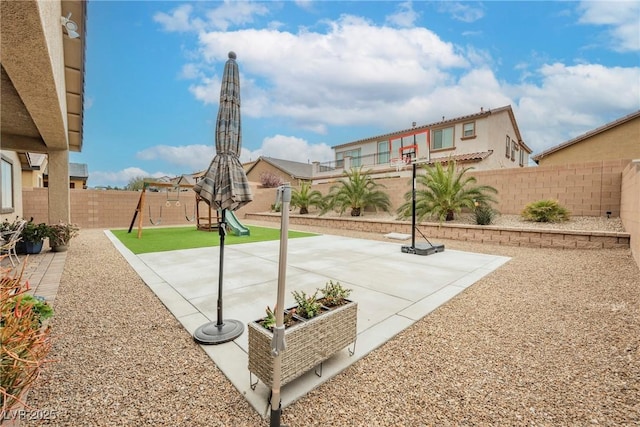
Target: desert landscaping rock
(551,338)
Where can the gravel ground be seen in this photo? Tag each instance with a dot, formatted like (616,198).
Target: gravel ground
(551,338)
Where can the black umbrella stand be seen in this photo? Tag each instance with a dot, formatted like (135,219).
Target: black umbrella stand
(225,330)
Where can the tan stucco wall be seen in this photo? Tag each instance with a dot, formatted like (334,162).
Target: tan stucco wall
(620,142)
(630,206)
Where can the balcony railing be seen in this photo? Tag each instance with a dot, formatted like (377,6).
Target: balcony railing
(370,161)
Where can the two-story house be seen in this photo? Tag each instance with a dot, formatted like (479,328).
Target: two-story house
(488,139)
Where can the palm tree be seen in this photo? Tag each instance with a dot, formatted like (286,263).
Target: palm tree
(445,193)
(304,198)
(358,191)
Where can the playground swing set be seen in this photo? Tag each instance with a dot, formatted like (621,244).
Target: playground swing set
(204,223)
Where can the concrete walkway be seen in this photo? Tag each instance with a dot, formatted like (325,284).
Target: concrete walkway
(393,291)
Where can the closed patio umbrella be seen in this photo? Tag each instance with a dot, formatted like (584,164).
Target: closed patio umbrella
(225,186)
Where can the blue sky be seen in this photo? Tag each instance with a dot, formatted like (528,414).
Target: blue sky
(315,74)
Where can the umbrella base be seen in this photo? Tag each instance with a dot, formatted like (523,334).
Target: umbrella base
(212,333)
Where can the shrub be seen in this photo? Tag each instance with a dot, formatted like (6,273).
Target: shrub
(484,214)
(24,343)
(270,180)
(60,234)
(545,211)
(35,233)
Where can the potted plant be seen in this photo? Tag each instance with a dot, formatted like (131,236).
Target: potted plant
(25,342)
(60,234)
(33,236)
(315,330)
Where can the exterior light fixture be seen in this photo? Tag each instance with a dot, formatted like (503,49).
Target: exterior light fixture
(70,26)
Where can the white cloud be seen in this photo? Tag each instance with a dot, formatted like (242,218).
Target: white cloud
(623,18)
(179,20)
(189,158)
(234,13)
(572,100)
(227,14)
(359,74)
(353,74)
(465,12)
(122,177)
(289,148)
(404,17)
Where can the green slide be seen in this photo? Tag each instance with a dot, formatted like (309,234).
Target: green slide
(236,226)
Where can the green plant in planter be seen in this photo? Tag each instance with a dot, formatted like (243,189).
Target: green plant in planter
(8,227)
(269,321)
(35,233)
(60,234)
(334,294)
(308,306)
(24,344)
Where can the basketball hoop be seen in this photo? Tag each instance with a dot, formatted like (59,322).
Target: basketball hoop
(398,163)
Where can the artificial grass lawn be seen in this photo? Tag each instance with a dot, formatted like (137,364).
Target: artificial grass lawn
(174,238)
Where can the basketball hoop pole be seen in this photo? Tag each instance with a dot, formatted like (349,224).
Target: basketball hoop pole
(424,248)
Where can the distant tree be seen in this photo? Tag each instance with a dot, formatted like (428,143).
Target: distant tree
(305,197)
(270,180)
(357,191)
(445,192)
(135,184)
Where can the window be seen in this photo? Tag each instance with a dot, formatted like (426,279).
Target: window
(395,147)
(7,185)
(354,154)
(469,130)
(508,147)
(514,148)
(383,152)
(523,155)
(442,138)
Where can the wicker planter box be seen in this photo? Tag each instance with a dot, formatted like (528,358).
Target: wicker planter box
(308,343)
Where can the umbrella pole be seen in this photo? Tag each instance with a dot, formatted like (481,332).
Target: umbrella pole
(278,343)
(226,330)
(222,231)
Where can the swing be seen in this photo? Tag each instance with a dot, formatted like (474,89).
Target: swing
(187,216)
(159,220)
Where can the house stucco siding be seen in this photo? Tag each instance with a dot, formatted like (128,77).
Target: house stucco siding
(619,142)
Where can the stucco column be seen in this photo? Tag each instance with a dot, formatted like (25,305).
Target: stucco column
(59,204)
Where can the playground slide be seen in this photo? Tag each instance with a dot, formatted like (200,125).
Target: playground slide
(236,226)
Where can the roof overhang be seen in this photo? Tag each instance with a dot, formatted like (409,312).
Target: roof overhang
(42,86)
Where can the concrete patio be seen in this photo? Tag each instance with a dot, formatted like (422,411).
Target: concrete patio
(393,290)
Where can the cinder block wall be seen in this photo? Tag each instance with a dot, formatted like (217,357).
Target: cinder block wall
(586,189)
(630,206)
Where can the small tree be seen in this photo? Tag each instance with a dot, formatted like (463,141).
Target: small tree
(357,191)
(445,192)
(270,180)
(305,197)
(134,184)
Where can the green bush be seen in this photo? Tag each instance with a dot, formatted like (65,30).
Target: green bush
(545,211)
(484,214)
